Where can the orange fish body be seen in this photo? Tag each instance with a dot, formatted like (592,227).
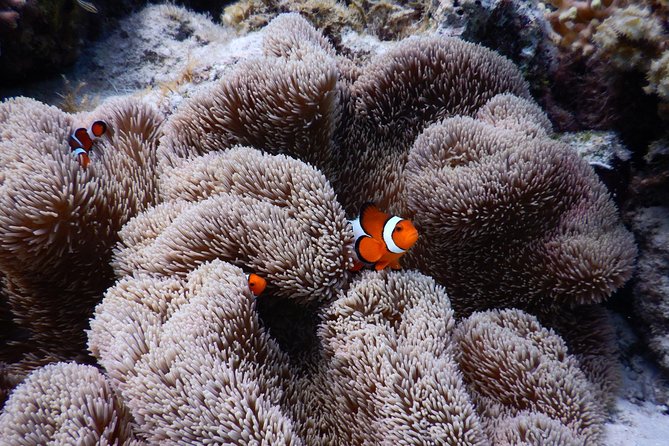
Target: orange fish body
(257,284)
(82,157)
(81,141)
(381,239)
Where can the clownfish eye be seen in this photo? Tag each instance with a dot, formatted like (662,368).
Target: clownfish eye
(398,228)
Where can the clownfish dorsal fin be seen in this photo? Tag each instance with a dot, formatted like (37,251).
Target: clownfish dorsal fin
(372,220)
(98,128)
(369,249)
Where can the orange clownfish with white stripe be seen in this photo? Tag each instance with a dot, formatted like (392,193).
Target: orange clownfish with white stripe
(81,141)
(381,239)
(257,284)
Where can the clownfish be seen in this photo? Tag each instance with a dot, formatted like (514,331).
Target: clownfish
(381,239)
(81,141)
(257,284)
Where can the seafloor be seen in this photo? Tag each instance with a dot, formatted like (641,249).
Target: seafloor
(527,142)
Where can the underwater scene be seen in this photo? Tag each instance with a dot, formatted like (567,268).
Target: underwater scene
(334,222)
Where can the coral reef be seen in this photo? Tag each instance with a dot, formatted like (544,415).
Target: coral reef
(387,19)
(652,290)
(58,222)
(658,77)
(575,21)
(517,29)
(328,15)
(255,173)
(46,38)
(613,38)
(630,38)
(606,153)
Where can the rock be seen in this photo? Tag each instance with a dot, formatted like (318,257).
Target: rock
(40,38)
(651,291)
(163,52)
(46,38)
(515,28)
(606,153)
(601,149)
(647,213)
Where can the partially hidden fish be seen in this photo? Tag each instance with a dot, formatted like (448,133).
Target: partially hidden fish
(81,141)
(381,239)
(257,284)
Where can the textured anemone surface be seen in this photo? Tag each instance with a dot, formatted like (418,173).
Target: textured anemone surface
(510,217)
(283,104)
(513,364)
(588,333)
(388,375)
(273,215)
(65,403)
(58,222)
(419,81)
(500,194)
(434,129)
(190,359)
(193,362)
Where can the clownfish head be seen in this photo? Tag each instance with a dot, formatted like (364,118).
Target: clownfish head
(257,284)
(404,234)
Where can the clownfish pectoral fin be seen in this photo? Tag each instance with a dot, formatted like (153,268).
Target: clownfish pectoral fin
(395,264)
(98,128)
(257,284)
(372,220)
(380,265)
(357,266)
(369,250)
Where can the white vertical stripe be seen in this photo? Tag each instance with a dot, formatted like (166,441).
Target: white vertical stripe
(357,229)
(78,152)
(388,229)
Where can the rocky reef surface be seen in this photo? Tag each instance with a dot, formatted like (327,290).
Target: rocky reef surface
(178,88)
